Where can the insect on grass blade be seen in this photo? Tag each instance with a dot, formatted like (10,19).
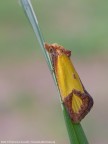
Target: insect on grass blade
(73,130)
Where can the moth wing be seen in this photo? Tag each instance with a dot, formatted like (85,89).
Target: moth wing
(78,105)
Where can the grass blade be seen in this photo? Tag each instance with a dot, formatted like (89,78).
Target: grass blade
(28,9)
(75,131)
(34,22)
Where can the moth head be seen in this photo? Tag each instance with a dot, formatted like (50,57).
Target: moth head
(57,49)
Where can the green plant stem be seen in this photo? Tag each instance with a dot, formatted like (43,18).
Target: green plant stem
(28,9)
(75,131)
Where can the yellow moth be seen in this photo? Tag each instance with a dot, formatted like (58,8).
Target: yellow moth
(76,99)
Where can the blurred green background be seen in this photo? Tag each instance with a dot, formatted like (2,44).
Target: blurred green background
(29,103)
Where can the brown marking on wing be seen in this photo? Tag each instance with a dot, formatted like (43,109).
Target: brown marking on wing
(74,76)
(85,108)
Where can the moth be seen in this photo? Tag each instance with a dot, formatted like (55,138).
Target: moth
(75,98)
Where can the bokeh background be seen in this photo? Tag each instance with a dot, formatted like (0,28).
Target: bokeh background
(29,103)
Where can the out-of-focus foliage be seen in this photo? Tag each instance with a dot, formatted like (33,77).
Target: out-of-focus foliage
(78,25)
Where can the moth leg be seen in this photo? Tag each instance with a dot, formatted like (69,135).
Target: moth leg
(52,70)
